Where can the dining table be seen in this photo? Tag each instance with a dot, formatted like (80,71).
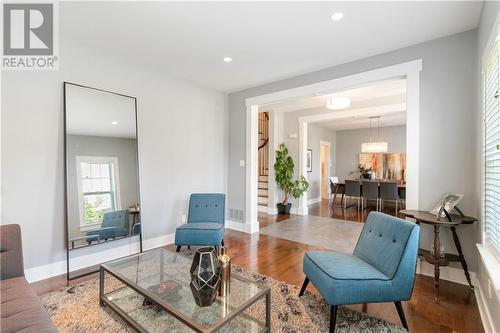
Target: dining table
(340,187)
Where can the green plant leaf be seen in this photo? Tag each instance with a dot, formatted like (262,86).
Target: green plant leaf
(283,170)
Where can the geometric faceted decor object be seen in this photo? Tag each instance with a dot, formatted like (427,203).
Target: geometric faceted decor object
(205,276)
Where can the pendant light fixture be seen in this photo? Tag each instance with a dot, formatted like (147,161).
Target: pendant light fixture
(374,146)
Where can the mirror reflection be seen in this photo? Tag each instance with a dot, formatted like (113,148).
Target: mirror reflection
(102,166)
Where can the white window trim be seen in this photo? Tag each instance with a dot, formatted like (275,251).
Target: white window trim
(489,255)
(116,175)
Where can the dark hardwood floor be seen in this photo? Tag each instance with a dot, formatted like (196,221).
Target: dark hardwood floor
(324,209)
(282,259)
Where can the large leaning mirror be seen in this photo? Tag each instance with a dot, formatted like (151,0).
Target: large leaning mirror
(101,168)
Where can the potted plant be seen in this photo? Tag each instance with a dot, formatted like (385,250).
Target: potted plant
(283,170)
(365,173)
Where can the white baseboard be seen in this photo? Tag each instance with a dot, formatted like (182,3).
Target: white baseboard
(313,201)
(446,273)
(249,228)
(153,243)
(92,255)
(46,271)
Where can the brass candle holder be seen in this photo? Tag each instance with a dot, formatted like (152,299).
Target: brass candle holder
(225,264)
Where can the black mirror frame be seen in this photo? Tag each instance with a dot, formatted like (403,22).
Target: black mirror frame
(93,268)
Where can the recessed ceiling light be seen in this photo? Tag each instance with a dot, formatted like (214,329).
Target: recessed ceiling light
(338,103)
(228,59)
(114,123)
(337,16)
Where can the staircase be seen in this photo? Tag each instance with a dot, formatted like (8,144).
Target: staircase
(263,153)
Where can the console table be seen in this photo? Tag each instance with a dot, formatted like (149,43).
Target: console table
(436,259)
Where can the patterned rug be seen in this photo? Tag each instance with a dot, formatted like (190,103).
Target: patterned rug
(77,310)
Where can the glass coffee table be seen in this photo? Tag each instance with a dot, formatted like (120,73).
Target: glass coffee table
(151,292)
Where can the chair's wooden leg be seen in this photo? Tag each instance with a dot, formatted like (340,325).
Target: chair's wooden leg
(304,286)
(178,248)
(401,313)
(222,243)
(189,247)
(333,317)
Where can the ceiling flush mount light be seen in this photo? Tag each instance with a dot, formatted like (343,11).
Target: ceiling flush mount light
(338,103)
(337,16)
(114,123)
(375,146)
(228,59)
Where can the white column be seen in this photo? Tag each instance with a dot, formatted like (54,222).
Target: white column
(251,223)
(302,202)
(412,139)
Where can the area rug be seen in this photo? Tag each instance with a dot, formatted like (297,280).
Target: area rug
(77,310)
(328,233)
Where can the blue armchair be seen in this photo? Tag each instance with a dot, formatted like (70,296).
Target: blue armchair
(381,269)
(205,224)
(114,224)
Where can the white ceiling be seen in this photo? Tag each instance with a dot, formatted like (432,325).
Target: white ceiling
(391,119)
(376,94)
(386,99)
(91,112)
(268,41)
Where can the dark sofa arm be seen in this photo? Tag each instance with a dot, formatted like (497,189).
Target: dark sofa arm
(11,252)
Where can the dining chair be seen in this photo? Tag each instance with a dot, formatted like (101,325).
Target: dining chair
(352,189)
(336,188)
(114,224)
(389,192)
(369,192)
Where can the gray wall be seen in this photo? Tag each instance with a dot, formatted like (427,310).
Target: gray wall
(349,146)
(448,137)
(182,135)
(315,134)
(486,25)
(125,150)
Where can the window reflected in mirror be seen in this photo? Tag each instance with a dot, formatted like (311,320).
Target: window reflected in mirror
(102,166)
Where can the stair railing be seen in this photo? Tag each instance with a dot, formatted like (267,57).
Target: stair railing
(263,143)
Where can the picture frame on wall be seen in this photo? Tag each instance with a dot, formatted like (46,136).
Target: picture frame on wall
(309,160)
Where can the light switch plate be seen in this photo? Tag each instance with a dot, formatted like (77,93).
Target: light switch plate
(242,163)
(183,219)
